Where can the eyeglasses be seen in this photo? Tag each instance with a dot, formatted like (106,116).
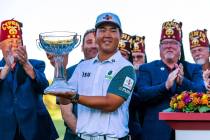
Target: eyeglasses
(137,56)
(170,43)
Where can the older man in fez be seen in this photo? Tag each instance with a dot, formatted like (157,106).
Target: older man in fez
(161,79)
(199,47)
(136,108)
(23,115)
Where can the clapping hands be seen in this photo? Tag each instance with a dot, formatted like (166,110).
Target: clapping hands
(175,75)
(21,54)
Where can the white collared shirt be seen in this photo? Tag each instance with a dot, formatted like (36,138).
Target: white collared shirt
(95,78)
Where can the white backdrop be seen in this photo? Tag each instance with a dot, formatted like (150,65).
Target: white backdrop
(138,17)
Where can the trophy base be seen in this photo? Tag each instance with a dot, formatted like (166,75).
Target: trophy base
(58,86)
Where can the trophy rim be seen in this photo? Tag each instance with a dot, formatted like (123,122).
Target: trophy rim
(56,34)
(70,38)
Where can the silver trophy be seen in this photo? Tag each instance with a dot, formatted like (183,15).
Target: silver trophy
(58,43)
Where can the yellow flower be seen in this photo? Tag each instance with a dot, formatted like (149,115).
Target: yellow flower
(204,97)
(204,101)
(175,106)
(180,97)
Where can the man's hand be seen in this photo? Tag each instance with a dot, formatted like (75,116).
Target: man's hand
(65,94)
(206,78)
(9,59)
(171,78)
(206,74)
(21,55)
(180,75)
(64,101)
(65,97)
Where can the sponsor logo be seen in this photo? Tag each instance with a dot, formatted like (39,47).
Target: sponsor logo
(86,74)
(109,75)
(128,83)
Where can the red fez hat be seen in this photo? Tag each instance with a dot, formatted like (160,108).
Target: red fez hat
(10,29)
(127,37)
(125,43)
(138,44)
(198,38)
(171,30)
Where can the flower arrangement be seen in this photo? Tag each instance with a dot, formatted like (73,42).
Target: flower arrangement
(189,101)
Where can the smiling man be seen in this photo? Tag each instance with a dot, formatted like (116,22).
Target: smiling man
(102,86)
(161,79)
(199,47)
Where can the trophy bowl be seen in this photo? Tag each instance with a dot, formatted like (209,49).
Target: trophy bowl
(58,44)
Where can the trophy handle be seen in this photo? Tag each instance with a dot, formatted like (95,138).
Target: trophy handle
(38,44)
(79,37)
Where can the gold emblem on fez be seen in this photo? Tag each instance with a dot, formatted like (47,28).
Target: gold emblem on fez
(12,31)
(136,46)
(195,41)
(169,32)
(122,44)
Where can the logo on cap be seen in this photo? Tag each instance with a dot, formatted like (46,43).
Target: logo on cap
(107,17)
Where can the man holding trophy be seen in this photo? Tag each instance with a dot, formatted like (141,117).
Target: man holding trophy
(23,115)
(102,86)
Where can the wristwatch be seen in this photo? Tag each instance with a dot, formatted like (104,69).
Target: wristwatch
(75,98)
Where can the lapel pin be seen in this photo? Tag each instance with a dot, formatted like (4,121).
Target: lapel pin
(162,68)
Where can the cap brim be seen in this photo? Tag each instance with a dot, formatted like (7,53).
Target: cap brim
(107,22)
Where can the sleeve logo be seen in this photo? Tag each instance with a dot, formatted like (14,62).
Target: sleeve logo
(128,83)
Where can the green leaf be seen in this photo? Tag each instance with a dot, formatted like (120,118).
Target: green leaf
(203,109)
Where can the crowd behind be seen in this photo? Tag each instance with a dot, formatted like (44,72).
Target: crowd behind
(115,93)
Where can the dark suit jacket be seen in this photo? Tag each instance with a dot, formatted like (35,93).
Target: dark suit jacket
(136,111)
(152,91)
(21,104)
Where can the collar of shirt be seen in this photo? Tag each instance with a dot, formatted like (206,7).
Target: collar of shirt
(112,59)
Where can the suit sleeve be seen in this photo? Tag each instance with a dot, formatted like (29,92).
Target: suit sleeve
(40,82)
(1,65)
(145,90)
(194,82)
